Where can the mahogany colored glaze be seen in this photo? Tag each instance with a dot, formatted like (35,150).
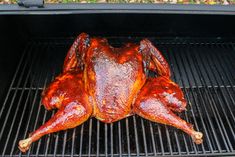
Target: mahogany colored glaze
(114,77)
(110,84)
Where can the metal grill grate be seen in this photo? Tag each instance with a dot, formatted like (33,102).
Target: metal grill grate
(203,68)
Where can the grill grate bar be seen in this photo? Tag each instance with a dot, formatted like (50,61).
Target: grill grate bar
(225,61)
(98,138)
(13,98)
(144,137)
(204,71)
(64,142)
(207,111)
(215,110)
(34,127)
(24,109)
(73,142)
(28,46)
(186,114)
(90,136)
(193,87)
(168,140)
(81,140)
(48,138)
(192,111)
(133,154)
(194,120)
(128,138)
(106,138)
(136,137)
(46,114)
(56,142)
(17,109)
(227,91)
(177,143)
(119,138)
(220,102)
(176,136)
(152,138)
(227,77)
(161,142)
(111,138)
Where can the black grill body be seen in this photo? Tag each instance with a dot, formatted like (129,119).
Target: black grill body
(199,48)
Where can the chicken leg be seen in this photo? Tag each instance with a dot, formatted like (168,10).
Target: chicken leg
(70,116)
(160,96)
(152,104)
(68,95)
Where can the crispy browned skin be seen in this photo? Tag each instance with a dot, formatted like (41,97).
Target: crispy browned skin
(110,84)
(160,95)
(166,90)
(114,76)
(156,105)
(67,94)
(77,50)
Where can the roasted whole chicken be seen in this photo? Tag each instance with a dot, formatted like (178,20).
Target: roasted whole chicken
(110,84)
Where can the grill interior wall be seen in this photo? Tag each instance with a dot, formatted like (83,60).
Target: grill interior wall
(204,69)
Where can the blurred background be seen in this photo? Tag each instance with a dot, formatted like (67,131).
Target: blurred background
(209,2)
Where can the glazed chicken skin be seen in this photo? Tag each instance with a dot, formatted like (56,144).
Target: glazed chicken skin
(114,76)
(110,84)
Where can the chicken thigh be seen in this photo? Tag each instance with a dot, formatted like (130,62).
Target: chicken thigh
(110,84)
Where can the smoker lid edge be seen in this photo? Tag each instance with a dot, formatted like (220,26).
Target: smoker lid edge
(53,9)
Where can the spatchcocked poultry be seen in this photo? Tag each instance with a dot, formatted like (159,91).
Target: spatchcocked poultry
(110,84)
